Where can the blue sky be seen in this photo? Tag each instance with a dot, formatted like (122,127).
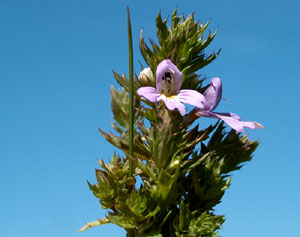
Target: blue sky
(56,59)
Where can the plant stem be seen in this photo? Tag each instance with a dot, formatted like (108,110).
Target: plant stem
(131,105)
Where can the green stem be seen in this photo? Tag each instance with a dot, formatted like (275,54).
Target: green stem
(131,105)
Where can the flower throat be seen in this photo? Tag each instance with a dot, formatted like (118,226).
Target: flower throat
(168,83)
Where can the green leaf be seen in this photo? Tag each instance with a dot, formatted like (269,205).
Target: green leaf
(131,99)
(206,225)
(123,221)
(184,216)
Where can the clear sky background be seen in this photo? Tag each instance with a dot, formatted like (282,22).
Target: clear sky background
(56,62)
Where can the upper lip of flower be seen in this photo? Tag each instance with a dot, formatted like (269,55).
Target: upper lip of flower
(213,94)
(168,75)
(168,84)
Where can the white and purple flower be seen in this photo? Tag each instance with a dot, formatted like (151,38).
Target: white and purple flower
(213,95)
(168,84)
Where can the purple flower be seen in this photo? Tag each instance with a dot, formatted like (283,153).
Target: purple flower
(168,84)
(213,95)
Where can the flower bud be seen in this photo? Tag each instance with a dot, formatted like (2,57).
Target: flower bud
(146,76)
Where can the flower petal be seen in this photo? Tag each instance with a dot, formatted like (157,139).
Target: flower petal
(192,97)
(232,115)
(234,123)
(173,103)
(148,93)
(162,68)
(213,94)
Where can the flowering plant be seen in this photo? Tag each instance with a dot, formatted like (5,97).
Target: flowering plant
(180,168)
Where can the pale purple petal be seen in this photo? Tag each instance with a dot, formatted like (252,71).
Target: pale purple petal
(232,115)
(233,122)
(174,103)
(162,68)
(213,94)
(148,93)
(192,97)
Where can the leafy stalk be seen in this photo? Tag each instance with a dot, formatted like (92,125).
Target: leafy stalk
(184,168)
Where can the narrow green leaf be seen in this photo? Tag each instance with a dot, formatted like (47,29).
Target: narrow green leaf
(131,105)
